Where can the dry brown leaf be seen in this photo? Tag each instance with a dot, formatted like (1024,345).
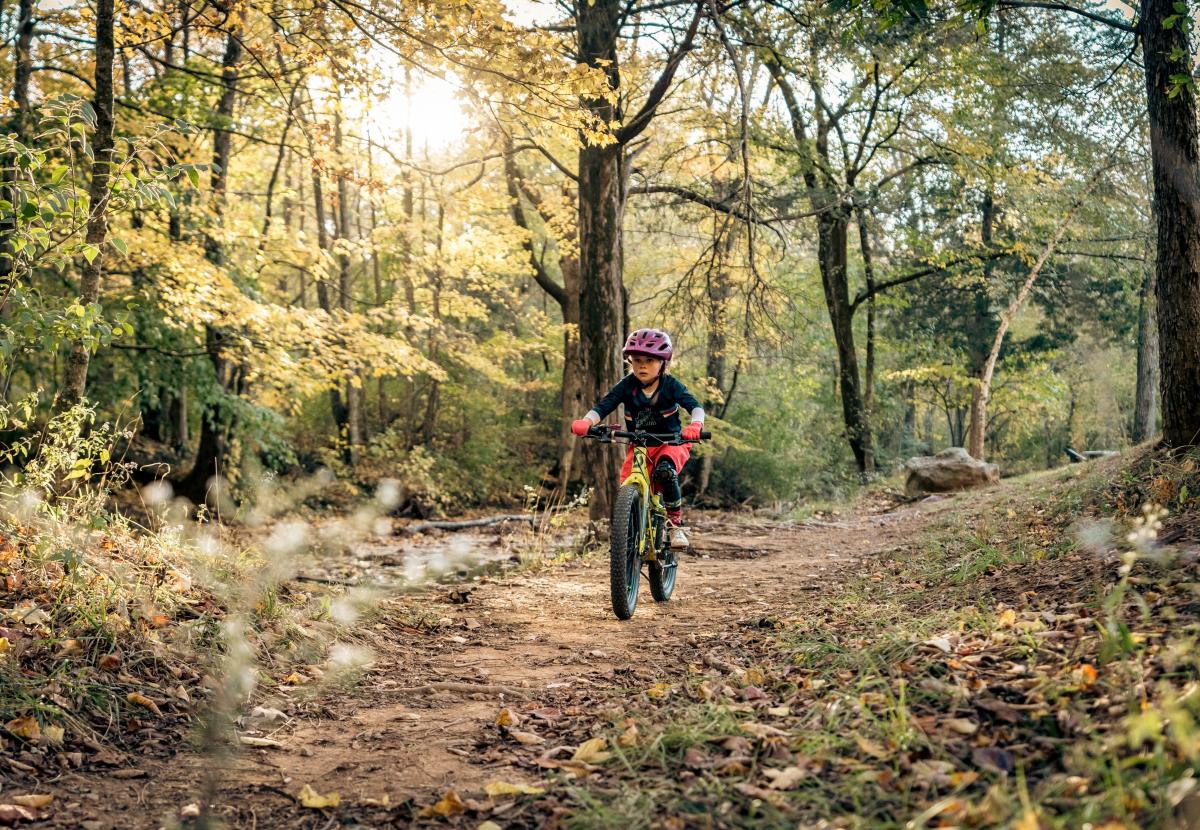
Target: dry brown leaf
(527,738)
(1007,618)
(315,801)
(294,679)
(629,737)
(942,644)
(109,662)
(869,747)
(1085,675)
(762,730)
(786,778)
(591,752)
(142,700)
(35,802)
(489,825)
(25,727)
(963,726)
(53,735)
(659,690)
(507,717)
(450,805)
(12,813)
(495,788)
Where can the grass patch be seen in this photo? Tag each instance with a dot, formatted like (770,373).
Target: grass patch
(1022,663)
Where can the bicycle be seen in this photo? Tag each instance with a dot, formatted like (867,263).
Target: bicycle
(639,523)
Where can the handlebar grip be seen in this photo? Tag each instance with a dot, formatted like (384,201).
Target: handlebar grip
(705,435)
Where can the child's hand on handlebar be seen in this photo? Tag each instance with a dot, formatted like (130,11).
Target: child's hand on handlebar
(692,431)
(581,426)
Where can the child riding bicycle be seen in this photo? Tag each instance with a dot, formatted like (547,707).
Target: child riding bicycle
(652,400)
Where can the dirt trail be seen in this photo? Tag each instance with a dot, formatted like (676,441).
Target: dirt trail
(550,636)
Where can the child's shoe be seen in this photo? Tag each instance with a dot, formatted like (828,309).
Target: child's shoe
(679,539)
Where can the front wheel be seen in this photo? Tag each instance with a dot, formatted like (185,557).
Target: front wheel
(625,562)
(662,571)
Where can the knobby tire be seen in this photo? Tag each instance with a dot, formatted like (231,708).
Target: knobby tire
(624,562)
(662,577)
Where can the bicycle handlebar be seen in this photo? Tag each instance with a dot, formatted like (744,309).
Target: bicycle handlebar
(606,433)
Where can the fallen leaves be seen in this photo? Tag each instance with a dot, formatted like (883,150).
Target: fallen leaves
(1085,675)
(449,805)
(787,778)
(658,691)
(34,802)
(526,738)
(141,700)
(25,727)
(308,797)
(14,813)
(591,752)
(963,726)
(499,788)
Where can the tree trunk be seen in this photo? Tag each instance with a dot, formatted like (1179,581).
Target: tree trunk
(22,71)
(354,389)
(1145,411)
(718,291)
(601,208)
(980,322)
(979,426)
(75,383)
(868,395)
(832,237)
(179,419)
(204,482)
(1175,152)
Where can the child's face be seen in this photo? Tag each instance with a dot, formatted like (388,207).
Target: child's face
(645,369)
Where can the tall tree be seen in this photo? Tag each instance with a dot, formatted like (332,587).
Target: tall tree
(1145,405)
(603,174)
(216,421)
(75,383)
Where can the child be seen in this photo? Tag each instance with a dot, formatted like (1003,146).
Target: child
(652,399)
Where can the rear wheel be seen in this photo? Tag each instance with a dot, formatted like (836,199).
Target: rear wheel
(662,570)
(624,561)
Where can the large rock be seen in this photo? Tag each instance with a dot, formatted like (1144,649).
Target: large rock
(949,470)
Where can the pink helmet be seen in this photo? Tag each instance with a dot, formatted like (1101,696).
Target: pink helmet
(650,343)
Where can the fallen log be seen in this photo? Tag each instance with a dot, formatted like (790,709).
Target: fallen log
(421,527)
(1087,455)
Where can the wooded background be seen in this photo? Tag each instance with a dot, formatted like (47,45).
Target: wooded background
(405,239)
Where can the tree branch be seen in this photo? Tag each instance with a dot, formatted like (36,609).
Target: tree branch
(1063,7)
(634,127)
(880,287)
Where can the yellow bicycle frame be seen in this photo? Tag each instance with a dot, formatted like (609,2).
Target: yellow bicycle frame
(639,477)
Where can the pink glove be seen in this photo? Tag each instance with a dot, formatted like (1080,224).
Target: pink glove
(691,432)
(581,427)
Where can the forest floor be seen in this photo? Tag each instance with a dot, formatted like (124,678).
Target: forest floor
(916,665)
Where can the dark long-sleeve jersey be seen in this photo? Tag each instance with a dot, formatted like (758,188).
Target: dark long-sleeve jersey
(657,413)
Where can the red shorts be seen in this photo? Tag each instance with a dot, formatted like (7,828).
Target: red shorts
(679,455)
